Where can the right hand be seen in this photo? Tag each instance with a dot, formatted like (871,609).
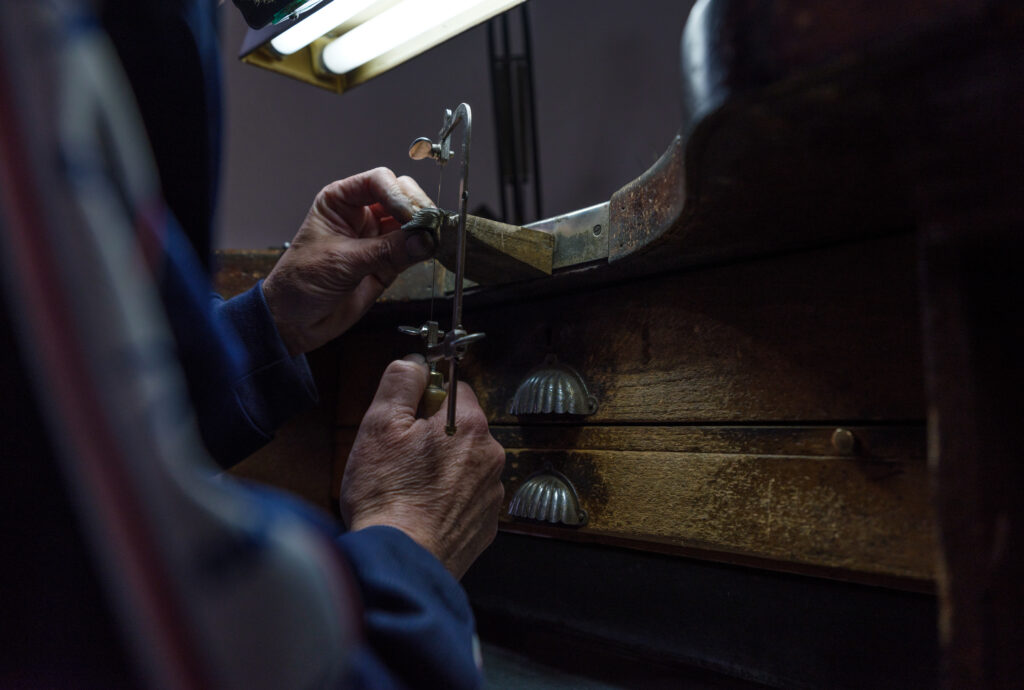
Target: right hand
(443,491)
(348,250)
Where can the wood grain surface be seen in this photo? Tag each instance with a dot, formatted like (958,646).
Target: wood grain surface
(836,513)
(780,498)
(823,335)
(237,270)
(831,334)
(499,252)
(719,392)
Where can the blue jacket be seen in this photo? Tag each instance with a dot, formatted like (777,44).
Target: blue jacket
(418,625)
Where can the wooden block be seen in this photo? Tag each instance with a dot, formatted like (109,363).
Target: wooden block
(499,253)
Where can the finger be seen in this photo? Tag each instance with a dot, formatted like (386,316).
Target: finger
(400,197)
(498,459)
(345,202)
(412,189)
(402,386)
(467,398)
(468,412)
(379,212)
(385,256)
(385,222)
(377,186)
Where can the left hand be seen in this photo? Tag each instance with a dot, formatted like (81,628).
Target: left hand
(348,250)
(443,491)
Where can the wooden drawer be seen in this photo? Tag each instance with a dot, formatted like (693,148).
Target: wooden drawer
(744,496)
(824,335)
(719,391)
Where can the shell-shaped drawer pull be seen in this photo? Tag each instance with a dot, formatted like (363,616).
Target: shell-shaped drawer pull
(553,388)
(548,496)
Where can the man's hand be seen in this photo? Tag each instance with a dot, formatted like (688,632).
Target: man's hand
(443,491)
(348,250)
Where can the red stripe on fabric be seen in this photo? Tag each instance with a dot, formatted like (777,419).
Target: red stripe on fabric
(78,404)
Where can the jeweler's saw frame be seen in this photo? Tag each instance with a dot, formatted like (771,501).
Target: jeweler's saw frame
(446,345)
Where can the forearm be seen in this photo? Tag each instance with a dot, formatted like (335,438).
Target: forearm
(272,387)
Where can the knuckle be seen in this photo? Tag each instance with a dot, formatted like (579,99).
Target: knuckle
(475,419)
(332,191)
(401,367)
(402,374)
(381,254)
(497,454)
(374,422)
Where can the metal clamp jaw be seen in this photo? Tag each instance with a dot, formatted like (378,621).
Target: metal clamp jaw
(442,345)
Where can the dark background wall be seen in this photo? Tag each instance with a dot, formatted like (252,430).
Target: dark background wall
(606,76)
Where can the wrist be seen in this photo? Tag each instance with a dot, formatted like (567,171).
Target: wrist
(408,525)
(289,335)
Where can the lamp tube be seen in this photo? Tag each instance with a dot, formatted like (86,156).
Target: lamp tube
(388,30)
(317,24)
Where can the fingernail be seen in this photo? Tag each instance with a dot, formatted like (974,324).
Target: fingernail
(419,246)
(415,357)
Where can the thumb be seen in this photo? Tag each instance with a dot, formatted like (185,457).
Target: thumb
(402,385)
(388,255)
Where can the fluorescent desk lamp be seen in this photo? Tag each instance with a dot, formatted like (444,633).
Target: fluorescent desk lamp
(339,44)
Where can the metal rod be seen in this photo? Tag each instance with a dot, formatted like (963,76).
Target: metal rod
(517,192)
(499,126)
(453,385)
(528,52)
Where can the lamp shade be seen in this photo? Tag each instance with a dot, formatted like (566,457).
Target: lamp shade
(339,44)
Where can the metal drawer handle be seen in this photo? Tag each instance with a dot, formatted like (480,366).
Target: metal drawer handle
(553,388)
(548,496)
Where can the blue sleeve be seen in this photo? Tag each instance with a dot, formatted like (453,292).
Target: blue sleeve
(271,388)
(419,626)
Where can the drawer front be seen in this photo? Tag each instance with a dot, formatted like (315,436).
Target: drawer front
(719,392)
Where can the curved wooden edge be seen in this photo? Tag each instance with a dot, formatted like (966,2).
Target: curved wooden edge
(649,206)
(752,75)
